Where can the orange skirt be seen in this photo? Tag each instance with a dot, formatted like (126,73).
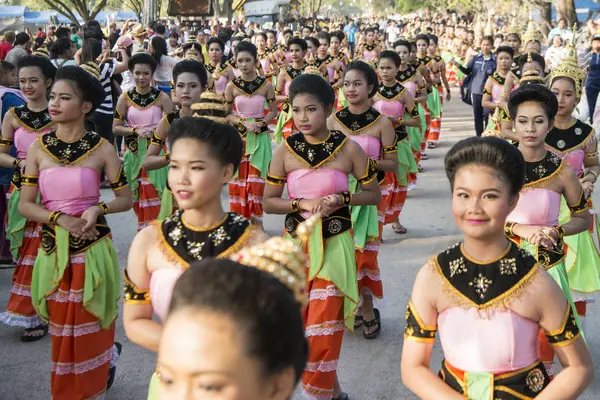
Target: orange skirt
(82,352)
(368,274)
(246,191)
(435,126)
(147,207)
(20,311)
(393,197)
(324,330)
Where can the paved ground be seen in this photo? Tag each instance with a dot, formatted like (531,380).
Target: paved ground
(369,370)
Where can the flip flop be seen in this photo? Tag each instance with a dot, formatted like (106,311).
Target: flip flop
(358,321)
(342,396)
(112,371)
(29,339)
(399,229)
(372,323)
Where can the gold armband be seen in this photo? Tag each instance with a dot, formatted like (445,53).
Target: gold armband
(568,331)
(415,329)
(346,198)
(104,207)
(16,162)
(120,182)
(276,180)
(133,294)
(29,180)
(580,205)
(6,142)
(508,229)
(296,205)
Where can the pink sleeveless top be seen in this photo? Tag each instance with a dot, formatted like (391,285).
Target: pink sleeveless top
(23,138)
(315,183)
(250,106)
(370,145)
(266,65)
(369,55)
(221,84)
(496,93)
(411,86)
(390,108)
(575,159)
(331,74)
(466,337)
(71,190)
(138,118)
(536,207)
(162,282)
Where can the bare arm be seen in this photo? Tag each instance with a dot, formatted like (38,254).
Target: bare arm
(153,159)
(272,105)
(389,163)
(121,66)
(281,80)
(409,104)
(573,193)
(370,194)
(486,100)
(273,202)
(119,127)
(8,132)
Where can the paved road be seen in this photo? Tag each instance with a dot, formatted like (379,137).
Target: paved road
(369,370)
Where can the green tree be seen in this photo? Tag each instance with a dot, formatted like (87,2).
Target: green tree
(69,8)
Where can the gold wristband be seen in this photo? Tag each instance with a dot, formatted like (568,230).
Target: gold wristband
(296,205)
(16,162)
(508,229)
(104,207)
(167,158)
(54,217)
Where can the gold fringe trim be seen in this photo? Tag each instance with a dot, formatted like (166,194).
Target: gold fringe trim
(75,162)
(25,126)
(591,137)
(543,181)
(351,132)
(329,158)
(393,98)
(133,104)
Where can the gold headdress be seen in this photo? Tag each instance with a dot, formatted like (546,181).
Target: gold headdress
(569,67)
(211,106)
(533,32)
(514,27)
(531,76)
(93,67)
(42,51)
(410,37)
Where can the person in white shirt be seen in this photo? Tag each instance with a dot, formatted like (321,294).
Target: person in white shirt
(392,32)
(165,63)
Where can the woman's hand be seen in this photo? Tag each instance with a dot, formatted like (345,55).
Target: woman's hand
(330,203)
(145,132)
(310,205)
(588,189)
(545,236)
(75,226)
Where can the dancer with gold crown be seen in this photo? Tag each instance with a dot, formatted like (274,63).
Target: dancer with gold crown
(315,165)
(575,142)
(204,157)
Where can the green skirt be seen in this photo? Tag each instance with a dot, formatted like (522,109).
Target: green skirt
(15,226)
(166,205)
(406,162)
(365,220)
(132,166)
(433,103)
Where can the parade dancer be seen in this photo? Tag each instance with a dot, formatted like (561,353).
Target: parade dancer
(204,157)
(432,105)
(487,290)
(492,91)
(190,80)
(138,112)
(220,73)
(368,50)
(393,100)
(440,78)
(248,93)
(315,165)
(20,128)
(375,134)
(75,284)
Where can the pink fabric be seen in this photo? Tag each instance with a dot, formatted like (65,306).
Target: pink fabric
(288,57)
(162,283)
(286,87)
(390,108)
(502,342)
(496,93)
(237,72)
(221,84)
(575,159)
(369,55)
(536,207)
(71,190)
(139,118)
(250,106)
(331,74)
(315,183)
(411,86)
(370,145)
(266,65)
(23,139)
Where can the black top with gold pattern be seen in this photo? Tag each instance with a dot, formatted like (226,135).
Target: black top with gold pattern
(292,72)
(33,121)
(172,116)
(391,92)
(69,153)
(538,172)
(408,74)
(212,69)
(356,123)
(185,244)
(486,285)
(425,60)
(315,155)
(248,88)
(143,100)
(563,141)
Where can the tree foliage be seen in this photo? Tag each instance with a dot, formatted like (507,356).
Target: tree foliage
(69,8)
(137,6)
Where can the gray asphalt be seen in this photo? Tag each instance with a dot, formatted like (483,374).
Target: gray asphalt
(369,370)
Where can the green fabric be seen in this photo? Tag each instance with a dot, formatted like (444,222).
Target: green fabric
(433,103)
(335,262)
(166,205)
(582,260)
(480,385)
(101,289)
(283,119)
(490,125)
(15,226)
(414,137)
(405,156)
(559,274)
(423,122)
(153,388)
(132,166)
(341,98)
(365,222)
(258,148)
(158,178)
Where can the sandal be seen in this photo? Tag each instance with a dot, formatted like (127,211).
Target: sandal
(112,371)
(430,145)
(420,168)
(399,228)
(27,336)
(358,321)
(342,396)
(424,156)
(372,323)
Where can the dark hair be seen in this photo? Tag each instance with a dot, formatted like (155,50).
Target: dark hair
(142,58)
(261,307)
(422,37)
(90,89)
(159,48)
(193,67)
(288,32)
(433,39)
(160,29)
(488,38)
(90,50)
(261,34)
(93,32)
(315,42)
(21,39)
(493,152)
(217,41)
(313,85)
(6,66)
(194,45)
(369,74)
(299,42)
(48,70)
(516,35)
(173,35)
(535,57)
(325,36)
(370,29)
(9,37)
(272,32)
(537,93)
(402,42)
(499,36)
(224,140)
(63,33)
(307,27)
(60,47)
(391,55)
(505,49)
(248,47)
(339,35)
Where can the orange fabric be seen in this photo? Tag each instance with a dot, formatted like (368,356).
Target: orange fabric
(461,374)
(147,207)
(19,310)
(546,350)
(81,351)
(428,124)
(435,127)
(246,191)
(324,330)
(393,196)
(581,308)
(368,274)
(289,128)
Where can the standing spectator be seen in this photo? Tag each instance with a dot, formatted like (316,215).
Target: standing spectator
(351,30)
(560,30)
(40,33)
(77,36)
(164,64)
(481,66)
(19,51)
(62,53)
(113,34)
(202,37)
(139,34)
(392,32)
(592,82)
(555,53)
(7,44)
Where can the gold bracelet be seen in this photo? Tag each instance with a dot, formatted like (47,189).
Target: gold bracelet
(54,217)
(240,125)
(508,229)
(346,198)
(296,205)
(16,162)
(167,158)
(560,230)
(104,207)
